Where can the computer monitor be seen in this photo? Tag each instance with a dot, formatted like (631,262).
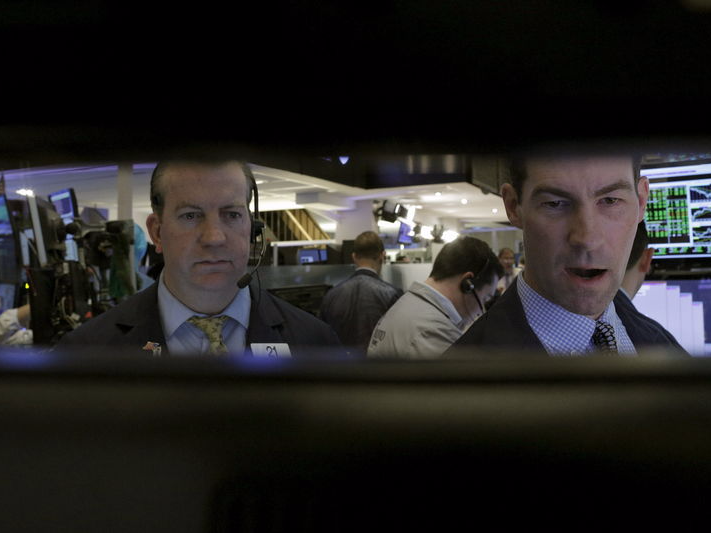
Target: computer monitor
(683,307)
(65,202)
(312,255)
(678,214)
(10,256)
(404,234)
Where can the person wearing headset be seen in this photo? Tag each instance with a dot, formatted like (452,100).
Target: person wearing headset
(430,316)
(203,301)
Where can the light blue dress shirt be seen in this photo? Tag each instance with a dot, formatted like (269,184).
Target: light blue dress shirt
(184,338)
(564,333)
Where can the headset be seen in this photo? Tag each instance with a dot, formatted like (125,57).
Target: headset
(468,285)
(256,227)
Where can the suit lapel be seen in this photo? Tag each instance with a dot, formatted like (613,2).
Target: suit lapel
(265,321)
(141,323)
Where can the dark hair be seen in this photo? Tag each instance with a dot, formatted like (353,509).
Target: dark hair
(517,165)
(158,197)
(640,244)
(368,245)
(467,254)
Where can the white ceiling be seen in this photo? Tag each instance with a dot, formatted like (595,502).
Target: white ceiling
(95,185)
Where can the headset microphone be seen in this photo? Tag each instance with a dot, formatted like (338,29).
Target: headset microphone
(247,278)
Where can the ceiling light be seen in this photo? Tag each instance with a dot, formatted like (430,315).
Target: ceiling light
(449,235)
(464,201)
(343,159)
(494,210)
(25,192)
(438,194)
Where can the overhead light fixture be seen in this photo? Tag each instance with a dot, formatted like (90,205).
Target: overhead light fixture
(494,210)
(438,194)
(464,201)
(449,235)
(25,192)
(343,159)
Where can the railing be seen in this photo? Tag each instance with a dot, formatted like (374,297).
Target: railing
(293,225)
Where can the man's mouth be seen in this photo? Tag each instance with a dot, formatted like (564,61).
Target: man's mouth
(586,273)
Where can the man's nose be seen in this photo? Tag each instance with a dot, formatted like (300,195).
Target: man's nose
(584,231)
(212,232)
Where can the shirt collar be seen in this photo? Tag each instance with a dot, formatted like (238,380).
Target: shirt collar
(546,317)
(174,313)
(446,305)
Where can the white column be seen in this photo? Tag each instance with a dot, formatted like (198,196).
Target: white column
(353,222)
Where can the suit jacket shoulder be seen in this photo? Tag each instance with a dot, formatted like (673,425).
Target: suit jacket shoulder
(273,319)
(137,321)
(504,326)
(134,321)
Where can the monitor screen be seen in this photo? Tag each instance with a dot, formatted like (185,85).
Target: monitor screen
(683,307)
(65,202)
(678,215)
(10,262)
(312,255)
(403,235)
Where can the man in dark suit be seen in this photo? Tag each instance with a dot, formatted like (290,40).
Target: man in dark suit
(202,225)
(354,306)
(579,214)
(639,263)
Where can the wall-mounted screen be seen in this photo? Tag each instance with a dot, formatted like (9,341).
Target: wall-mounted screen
(312,255)
(404,235)
(678,215)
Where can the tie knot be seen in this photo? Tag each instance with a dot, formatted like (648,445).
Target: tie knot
(212,327)
(604,337)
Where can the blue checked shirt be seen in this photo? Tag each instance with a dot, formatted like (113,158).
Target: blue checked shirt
(564,333)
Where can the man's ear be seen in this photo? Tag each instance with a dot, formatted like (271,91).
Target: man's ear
(645,262)
(512,204)
(153,225)
(643,195)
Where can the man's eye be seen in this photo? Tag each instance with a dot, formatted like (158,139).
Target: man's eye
(554,204)
(610,201)
(233,215)
(190,215)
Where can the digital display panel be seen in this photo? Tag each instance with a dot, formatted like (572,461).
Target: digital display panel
(678,217)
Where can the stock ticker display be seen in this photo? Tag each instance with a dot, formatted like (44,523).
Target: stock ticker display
(678,215)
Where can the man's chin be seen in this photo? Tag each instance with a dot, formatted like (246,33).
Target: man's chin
(590,305)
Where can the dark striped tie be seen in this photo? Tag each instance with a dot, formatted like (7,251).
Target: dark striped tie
(604,338)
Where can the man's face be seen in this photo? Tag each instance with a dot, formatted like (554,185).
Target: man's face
(203,233)
(579,216)
(506,258)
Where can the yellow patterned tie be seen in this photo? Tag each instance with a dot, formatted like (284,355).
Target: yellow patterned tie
(212,327)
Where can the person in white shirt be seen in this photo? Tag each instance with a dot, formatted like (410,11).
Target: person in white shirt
(430,316)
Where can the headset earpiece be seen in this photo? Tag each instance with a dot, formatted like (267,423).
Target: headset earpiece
(257,227)
(467,286)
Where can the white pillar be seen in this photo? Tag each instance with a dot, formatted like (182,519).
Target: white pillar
(353,222)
